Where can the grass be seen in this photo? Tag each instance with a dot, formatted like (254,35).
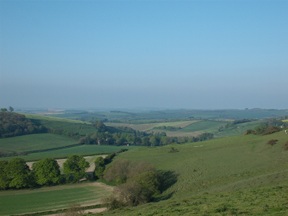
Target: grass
(67,125)
(79,150)
(206,125)
(50,198)
(240,175)
(52,118)
(181,128)
(151,126)
(237,129)
(34,142)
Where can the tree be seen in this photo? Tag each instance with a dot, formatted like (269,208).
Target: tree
(141,184)
(47,172)
(4,183)
(4,110)
(18,174)
(74,168)
(11,109)
(99,167)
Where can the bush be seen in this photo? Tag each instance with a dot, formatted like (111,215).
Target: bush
(173,150)
(139,183)
(272,142)
(286,146)
(121,170)
(137,190)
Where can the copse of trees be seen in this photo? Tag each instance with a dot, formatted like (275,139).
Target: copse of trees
(268,127)
(74,168)
(14,124)
(138,183)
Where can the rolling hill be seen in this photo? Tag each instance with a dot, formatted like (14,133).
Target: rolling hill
(240,175)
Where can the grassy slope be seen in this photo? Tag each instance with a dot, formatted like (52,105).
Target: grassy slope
(50,198)
(235,175)
(68,125)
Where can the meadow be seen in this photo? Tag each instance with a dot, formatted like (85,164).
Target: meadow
(83,150)
(32,142)
(240,175)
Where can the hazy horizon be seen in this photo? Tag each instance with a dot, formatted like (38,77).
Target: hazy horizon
(144,54)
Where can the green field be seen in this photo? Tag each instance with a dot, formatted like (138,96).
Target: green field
(150,126)
(66,125)
(52,118)
(51,198)
(191,128)
(240,175)
(34,142)
(79,150)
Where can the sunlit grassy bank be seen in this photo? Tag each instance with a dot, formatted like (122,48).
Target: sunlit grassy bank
(241,175)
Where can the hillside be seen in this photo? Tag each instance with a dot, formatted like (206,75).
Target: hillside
(241,175)
(15,124)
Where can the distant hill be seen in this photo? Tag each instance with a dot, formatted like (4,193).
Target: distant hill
(152,116)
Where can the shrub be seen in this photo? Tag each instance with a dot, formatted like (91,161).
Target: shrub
(141,182)
(137,190)
(272,142)
(286,146)
(173,150)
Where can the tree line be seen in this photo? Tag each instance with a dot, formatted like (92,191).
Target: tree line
(105,135)
(15,124)
(16,174)
(270,126)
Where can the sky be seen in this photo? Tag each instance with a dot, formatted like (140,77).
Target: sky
(195,54)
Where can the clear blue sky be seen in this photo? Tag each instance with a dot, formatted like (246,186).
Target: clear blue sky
(133,54)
